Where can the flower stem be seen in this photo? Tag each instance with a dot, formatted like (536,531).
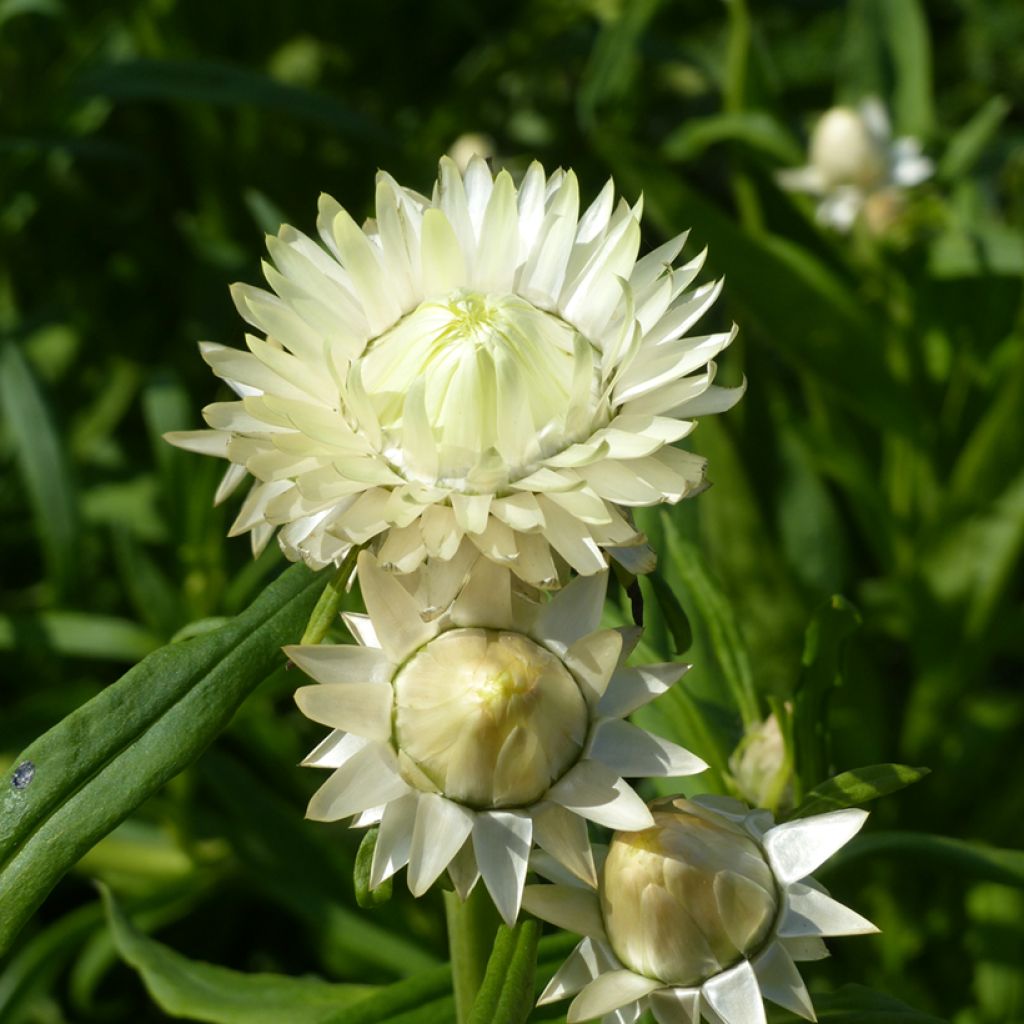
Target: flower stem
(326,610)
(471,929)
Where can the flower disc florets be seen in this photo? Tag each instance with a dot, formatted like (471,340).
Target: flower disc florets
(700,916)
(486,367)
(473,734)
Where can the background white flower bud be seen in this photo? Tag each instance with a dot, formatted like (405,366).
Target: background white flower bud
(846,151)
(490,718)
(688,898)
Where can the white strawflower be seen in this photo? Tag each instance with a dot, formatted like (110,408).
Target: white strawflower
(472,735)
(702,915)
(856,166)
(484,364)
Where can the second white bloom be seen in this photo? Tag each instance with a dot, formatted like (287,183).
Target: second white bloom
(473,735)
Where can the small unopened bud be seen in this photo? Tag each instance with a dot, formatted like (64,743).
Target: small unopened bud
(759,766)
(846,152)
(687,898)
(490,719)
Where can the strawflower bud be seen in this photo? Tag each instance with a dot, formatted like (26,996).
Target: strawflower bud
(688,898)
(700,916)
(491,718)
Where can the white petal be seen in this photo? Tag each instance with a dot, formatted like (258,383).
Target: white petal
(205,442)
(441,828)
(631,688)
(796,848)
(592,660)
(563,533)
(361,627)
(564,835)
(780,981)
(394,613)
(805,949)
(463,870)
(486,599)
(810,912)
(579,969)
(608,992)
(734,995)
(341,663)
(676,1005)
(501,842)
(635,753)
(574,612)
(334,750)
(368,778)
(361,708)
(444,264)
(565,906)
(394,840)
(597,793)
(471,511)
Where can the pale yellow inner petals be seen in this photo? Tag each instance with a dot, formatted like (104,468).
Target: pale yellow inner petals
(472,373)
(488,718)
(688,898)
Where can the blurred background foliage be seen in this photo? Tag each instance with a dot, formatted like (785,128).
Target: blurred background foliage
(146,146)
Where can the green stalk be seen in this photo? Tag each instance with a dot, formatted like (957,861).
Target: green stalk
(325,613)
(471,929)
(734,100)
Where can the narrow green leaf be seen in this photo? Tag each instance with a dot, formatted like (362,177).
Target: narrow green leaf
(849,789)
(967,858)
(506,994)
(672,612)
(854,1004)
(366,897)
(822,672)
(970,140)
(206,992)
(78,635)
(98,764)
(43,464)
(908,40)
(222,84)
(755,129)
(718,617)
(614,59)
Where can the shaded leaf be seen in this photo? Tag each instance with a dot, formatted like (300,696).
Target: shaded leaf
(43,465)
(854,1004)
(221,84)
(206,992)
(849,789)
(974,859)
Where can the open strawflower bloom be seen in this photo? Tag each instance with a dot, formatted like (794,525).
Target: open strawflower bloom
(700,916)
(486,366)
(855,166)
(472,735)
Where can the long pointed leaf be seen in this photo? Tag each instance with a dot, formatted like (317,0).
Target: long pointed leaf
(76,782)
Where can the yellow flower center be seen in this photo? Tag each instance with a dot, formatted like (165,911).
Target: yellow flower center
(490,719)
